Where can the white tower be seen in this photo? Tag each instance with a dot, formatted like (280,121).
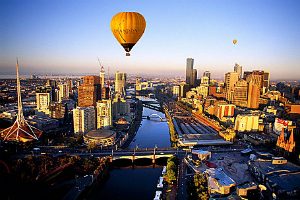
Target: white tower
(20,130)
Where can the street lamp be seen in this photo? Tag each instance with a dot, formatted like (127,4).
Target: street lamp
(155,147)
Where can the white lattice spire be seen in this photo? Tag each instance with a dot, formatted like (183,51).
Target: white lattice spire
(20,116)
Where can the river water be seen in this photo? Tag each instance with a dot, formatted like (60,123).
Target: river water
(137,183)
(152,132)
(132,184)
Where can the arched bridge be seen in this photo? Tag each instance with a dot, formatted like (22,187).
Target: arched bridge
(134,157)
(154,116)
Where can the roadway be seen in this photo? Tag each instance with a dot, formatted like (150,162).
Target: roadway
(181,179)
(139,151)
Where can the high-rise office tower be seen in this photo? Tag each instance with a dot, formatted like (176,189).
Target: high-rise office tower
(120,107)
(138,86)
(205,80)
(194,78)
(105,93)
(70,85)
(176,91)
(89,92)
(253,95)
(189,70)
(102,77)
(63,92)
(264,79)
(202,90)
(120,82)
(84,119)
(104,114)
(43,99)
(184,88)
(266,82)
(238,69)
(230,80)
(206,74)
(52,84)
(240,93)
(57,110)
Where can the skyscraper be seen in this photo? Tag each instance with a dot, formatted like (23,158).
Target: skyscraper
(52,84)
(264,78)
(194,78)
(63,92)
(253,95)
(230,80)
(104,114)
(43,99)
(84,119)
(120,82)
(120,107)
(102,77)
(240,93)
(205,80)
(189,70)
(238,69)
(89,92)
(206,74)
(176,91)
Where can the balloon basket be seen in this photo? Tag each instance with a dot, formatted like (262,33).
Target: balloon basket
(127,54)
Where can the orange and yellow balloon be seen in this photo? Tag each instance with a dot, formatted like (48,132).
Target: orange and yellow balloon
(128,28)
(234,41)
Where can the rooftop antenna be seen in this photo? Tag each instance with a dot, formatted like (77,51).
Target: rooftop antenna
(101,66)
(108,76)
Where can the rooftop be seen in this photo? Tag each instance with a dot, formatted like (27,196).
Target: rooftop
(267,168)
(287,182)
(219,175)
(100,133)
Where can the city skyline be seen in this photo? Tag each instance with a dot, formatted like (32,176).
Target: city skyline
(62,37)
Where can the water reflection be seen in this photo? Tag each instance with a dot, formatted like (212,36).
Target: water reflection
(129,183)
(152,132)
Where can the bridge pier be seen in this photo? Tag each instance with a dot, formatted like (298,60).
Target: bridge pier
(153,159)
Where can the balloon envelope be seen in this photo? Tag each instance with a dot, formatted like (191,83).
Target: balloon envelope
(234,41)
(128,28)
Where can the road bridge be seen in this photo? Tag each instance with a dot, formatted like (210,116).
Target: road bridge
(152,105)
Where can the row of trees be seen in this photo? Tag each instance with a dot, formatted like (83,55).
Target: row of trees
(173,134)
(172,167)
(198,188)
(29,168)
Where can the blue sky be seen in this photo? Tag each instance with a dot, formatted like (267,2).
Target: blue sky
(67,36)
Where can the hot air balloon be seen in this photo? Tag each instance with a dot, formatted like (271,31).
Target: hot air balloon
(234,41)
(128,28)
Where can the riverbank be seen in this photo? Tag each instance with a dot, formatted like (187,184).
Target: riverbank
(134,125)
(173,134)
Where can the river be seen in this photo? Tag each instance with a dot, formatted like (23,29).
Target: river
(152,132)
(137,183)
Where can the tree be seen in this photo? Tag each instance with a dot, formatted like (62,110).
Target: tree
(91,146)
(171,174)
(172,169)
(197,188)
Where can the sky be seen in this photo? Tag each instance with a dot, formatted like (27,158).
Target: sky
(67,36)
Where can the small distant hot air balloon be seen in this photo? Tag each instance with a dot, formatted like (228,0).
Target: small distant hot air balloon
(234,41)
(128,28)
